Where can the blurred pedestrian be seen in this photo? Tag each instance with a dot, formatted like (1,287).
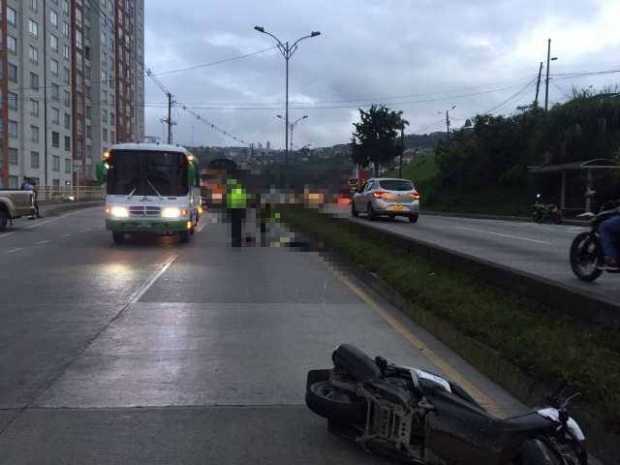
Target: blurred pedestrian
(236,203)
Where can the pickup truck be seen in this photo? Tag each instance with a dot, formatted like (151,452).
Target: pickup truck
(14,204)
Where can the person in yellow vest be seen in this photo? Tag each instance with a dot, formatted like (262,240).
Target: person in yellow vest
(236,203)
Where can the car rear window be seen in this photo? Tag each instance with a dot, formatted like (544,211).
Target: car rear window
(396,185)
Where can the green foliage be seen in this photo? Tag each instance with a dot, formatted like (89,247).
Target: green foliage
(375,139)
(546,346)
(497,149)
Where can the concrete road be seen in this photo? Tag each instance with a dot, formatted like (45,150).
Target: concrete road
(541,249)
(156,352)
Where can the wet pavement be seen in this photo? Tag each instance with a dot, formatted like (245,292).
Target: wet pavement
(163,353)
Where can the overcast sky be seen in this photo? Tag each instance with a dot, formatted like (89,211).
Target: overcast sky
(418,56)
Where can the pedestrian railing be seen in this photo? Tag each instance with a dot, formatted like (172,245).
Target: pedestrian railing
(70,193)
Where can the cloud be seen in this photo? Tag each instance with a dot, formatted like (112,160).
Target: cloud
(418,56)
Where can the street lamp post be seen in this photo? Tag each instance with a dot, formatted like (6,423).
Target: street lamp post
(287,52)
(291,128)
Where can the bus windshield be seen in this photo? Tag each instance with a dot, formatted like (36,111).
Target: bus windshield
(147,173)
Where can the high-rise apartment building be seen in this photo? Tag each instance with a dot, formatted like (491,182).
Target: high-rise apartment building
(71,84)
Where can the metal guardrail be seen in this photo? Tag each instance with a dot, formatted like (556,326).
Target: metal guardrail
(70,193)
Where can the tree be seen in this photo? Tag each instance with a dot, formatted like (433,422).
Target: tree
(375,139)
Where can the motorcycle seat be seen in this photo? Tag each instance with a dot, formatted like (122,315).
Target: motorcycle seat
(359,365)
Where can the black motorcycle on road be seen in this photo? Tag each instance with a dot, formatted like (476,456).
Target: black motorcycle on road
(586,253)
(542,212)
(419,417)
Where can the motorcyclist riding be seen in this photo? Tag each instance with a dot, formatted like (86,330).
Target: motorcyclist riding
(610,237)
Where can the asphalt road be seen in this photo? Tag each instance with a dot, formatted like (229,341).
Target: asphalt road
(540,249)
(156,352)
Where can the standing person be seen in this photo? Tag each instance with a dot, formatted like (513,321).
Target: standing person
(35,199)
(236,202)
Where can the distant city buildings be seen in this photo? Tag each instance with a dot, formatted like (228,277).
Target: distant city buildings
(71,84)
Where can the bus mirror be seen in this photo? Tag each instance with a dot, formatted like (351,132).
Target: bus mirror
(101,171)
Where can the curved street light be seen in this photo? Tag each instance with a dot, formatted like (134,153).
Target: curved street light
(287,52)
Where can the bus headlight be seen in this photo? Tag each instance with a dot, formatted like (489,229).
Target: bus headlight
(171,212)
(119,212)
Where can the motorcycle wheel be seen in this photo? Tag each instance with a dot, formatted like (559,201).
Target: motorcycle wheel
(585,257)
(336,405)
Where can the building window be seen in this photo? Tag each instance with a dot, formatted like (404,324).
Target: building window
(53,18)
(105,135)
(67,98)
(54,67)
(13,156)
(55,91)
(34,4)
(11,44)
(65,52)
(65,29)
(104,116)
(55,116)
(65,6)
(112,137)
(34,134)
(11,16)
(12,72)
(33,28)
(67,143)
(34,81)
(34,160)
(13,129)
(66,76)
(67,121)
(55,139)
(67,165)
(34,107)
(55,163)
(33,54)
(13,105)
(54,42)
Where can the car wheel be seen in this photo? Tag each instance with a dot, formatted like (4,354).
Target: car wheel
(413,218)
(4,219)
(184,236)
(372,216)
(118,238)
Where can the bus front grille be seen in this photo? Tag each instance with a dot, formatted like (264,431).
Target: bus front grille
(143,211)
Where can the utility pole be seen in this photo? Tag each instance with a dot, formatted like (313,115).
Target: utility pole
(538,84)
(402,150)
(169,119)
(547,79)
(448,123)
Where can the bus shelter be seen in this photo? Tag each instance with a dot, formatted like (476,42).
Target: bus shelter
(588,167)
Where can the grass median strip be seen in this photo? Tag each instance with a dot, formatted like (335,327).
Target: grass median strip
(546,348)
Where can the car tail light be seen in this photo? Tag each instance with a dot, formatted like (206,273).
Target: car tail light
(380,195)
(415,195)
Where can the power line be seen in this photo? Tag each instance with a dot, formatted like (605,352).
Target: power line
(512,97)
(218,62)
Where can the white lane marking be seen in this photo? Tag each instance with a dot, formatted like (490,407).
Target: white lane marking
(16,249)
(508,236)
(41,223)
(138,293)
(201,226)
(66,235)
(42,242)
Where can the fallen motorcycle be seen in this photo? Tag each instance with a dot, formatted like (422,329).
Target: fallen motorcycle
(419,417)
(586,252)
(542,212)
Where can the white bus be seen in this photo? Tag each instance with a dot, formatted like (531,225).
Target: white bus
(150,188)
